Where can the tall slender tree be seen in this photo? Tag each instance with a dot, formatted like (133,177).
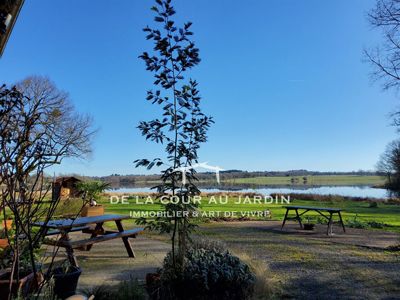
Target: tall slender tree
(39,128)
(182,126)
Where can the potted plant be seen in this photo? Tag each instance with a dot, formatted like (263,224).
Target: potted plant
(27,282)
(91,192)
(308,225)
(66,279)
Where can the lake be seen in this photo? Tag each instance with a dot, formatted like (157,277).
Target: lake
(350,191)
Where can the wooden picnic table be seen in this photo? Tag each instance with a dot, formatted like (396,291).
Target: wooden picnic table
(90,225)
(320,210)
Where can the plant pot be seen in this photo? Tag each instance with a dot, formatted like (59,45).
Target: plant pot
(3,243)
(7,224)
(309,226)
(26,283)
(65,283)
(90,211)
(5,284)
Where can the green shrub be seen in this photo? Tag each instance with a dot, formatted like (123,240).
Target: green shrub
(208,273)
(375,224)
(355,223)
(373,205)
(321,220)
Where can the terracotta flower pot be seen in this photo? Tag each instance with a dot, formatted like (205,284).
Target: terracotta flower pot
(7,224)
(90,211)
(3,243)
(27,283)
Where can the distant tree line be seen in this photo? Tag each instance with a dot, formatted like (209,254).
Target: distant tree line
(117,180)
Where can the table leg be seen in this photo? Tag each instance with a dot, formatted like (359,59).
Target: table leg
(329,230)
(284,219)
(341,222)
(71,256)
(125,239)
(98,228)
(70,252)
(299,219)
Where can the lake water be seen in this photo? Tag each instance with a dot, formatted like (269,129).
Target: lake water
(352,191)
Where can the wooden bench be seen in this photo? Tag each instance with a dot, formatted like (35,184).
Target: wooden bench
(74,229)
(320,210)
(87,225)
(131,233)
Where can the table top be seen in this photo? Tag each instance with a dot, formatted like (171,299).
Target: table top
(313,208)
(82,221)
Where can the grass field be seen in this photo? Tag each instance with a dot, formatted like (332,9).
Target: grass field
(384,213)
(311,180)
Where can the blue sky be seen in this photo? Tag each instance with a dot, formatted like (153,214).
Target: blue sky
(283,79)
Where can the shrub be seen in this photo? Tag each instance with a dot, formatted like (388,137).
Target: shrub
(373,205)
(321,220)
(375,224)
(208,273)
(355,223)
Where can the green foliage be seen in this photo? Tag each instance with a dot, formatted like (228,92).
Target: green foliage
(45,293)
(208,273)
(356,223)
(70,206)
(92,190)
(375,224)
(373,205)
(6,257)
(182,126)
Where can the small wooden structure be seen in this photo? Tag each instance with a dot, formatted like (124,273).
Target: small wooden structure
(65,187)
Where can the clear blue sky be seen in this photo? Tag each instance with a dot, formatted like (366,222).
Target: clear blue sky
(283,79)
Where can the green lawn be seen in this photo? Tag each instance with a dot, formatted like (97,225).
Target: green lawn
(384,213)
(311,180)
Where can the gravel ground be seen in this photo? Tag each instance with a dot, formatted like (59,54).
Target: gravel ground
(313,266)
(301,265)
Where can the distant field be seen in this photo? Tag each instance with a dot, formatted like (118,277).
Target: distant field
(311,180)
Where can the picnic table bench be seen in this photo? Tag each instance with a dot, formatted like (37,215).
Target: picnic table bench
(321,210)
(90,225)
